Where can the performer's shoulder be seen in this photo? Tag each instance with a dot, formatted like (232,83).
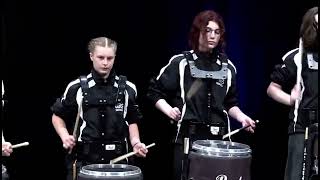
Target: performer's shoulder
(290,54)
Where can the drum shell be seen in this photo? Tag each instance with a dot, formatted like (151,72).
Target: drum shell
(219,160)
(203,167)
(110,172)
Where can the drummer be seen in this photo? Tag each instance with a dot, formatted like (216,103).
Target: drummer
(6,146)
(197,88)
(106,104)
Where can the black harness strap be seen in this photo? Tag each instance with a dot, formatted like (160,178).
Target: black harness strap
(85,88)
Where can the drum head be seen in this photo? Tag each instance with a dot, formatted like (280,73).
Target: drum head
(110,170)
(220,148)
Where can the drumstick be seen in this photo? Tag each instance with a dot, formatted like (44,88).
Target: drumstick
(236,131)
(20,145)
(194,88)
(74,133)
(115,160)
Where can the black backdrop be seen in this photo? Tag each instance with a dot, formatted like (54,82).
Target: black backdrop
(44,48)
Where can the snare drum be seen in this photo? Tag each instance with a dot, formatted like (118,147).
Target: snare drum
(110,172)
(4,173)
(219,160)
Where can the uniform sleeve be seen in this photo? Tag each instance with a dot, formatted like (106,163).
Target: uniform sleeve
(167,82)
(134,114)
(231,98)
(284,74)
(66,107)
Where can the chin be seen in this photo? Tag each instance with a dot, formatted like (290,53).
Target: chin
(103,73)
(212,46)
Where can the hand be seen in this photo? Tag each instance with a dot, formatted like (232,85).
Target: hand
(245,121)
(141,149)
(6,149)
(295,94)
(68,141)
(174,113)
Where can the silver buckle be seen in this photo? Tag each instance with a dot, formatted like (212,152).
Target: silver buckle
(110,147)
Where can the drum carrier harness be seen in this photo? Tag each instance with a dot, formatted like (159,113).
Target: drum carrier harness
(113,142)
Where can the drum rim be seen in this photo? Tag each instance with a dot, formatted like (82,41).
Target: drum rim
(219,152)
(133,170)
(4,169)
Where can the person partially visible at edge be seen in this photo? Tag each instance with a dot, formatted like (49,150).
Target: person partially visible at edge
(304,92)
(6,146)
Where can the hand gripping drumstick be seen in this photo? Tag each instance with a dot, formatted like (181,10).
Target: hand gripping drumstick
(115,160)
(20,145)
(74,133)
(237,130)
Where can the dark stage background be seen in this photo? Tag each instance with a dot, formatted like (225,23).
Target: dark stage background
(44,48)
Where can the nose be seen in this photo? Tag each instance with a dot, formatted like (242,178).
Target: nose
(212,34)
(105,61)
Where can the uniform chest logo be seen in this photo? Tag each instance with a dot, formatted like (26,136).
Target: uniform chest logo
(119,107)
(220,82)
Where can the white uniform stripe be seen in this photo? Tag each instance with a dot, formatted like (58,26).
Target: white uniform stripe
(79,98)
(298,61)
(229,77)
(182,66)
(234,67)
(288,53)
(164,68)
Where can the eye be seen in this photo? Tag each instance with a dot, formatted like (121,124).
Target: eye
(217,31)
(109,58)
(208,30)
(100,57)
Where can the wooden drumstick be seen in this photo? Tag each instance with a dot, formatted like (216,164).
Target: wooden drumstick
(236,131)
(20,145)
(115,160)
(74,133)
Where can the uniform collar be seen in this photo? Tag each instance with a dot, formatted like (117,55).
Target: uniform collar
(99,80)
(208,56)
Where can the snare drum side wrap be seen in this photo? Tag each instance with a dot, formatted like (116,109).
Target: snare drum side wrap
(219,160)
(110,172)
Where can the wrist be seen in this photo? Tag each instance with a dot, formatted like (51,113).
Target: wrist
(135,144)
(135,141)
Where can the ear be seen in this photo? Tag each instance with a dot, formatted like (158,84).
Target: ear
(91,56)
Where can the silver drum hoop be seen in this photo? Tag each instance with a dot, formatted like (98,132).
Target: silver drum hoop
(91,170)
(218,148)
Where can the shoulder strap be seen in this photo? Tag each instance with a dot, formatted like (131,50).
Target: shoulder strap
(84,87)
(120,100)
(122,84)
(188,56)
(223,58)
(120,95)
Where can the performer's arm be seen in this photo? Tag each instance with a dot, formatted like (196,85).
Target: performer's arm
(60,127)
(135,140)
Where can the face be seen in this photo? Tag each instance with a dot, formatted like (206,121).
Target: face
(103,60)
(210,39)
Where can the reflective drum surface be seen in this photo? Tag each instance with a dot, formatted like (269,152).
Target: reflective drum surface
(110,172)
(219,160)
(4,173)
